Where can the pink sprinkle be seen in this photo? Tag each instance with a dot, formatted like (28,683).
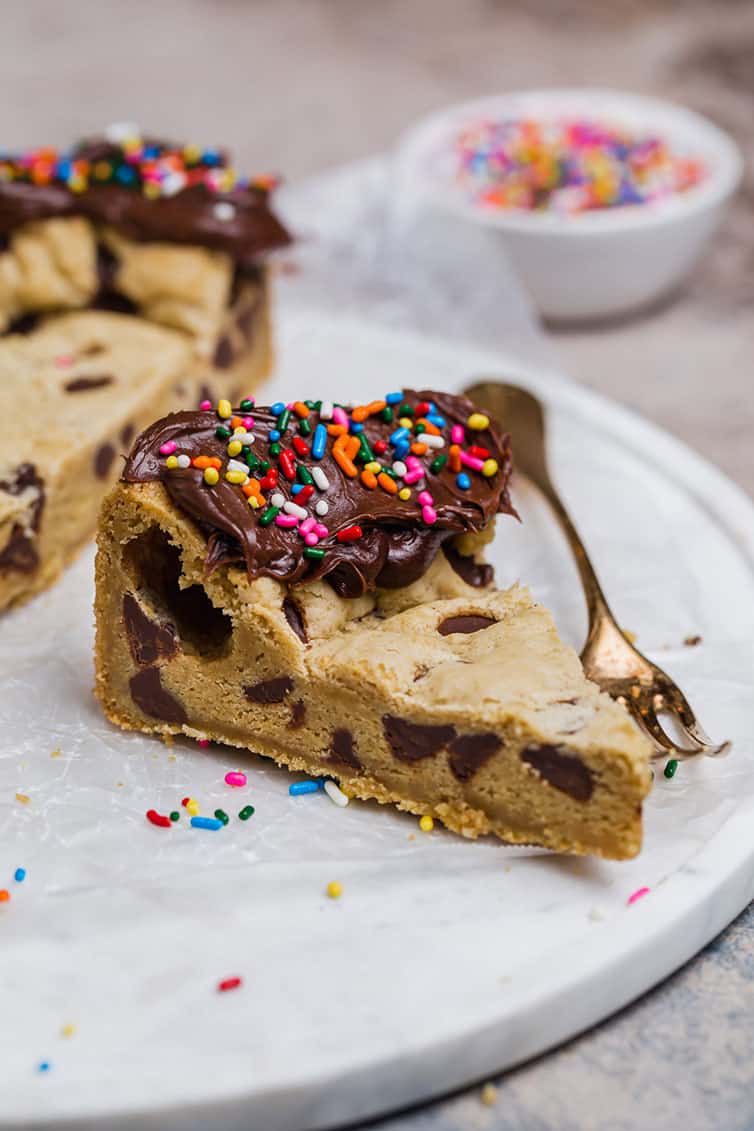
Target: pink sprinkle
(414,475)
(203,741)
(457,434)
(235,778)
(205,406)
(638,894)
(286,520)
(248,422)
(471,461)
(424,499)
(339,416)
(412,461)
(321,531)
(64,360)
(168,448)
(307,525)
(311,539)
(429,515)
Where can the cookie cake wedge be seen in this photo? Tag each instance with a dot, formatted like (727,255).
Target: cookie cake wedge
(308,581)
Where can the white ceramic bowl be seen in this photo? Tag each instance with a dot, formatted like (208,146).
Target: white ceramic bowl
(596,263)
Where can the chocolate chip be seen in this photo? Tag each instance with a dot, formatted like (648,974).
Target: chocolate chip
(467,569)
(564,771)
(127,435)
(295,620)
(84,384)
(468,623)
(298,714)
(342,749)
(153,699)
(20,551)
(148,640)
(103,460)
(269,690)
(410,742)
(469,752)
(224,353)
(24,324)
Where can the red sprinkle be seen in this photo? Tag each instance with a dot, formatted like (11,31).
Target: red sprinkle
(380,447)
(421,409)
(158,819)
(229,984)
(302,448)
(349,534)
(304,494)
(477,452)
(185,801)
(287,464)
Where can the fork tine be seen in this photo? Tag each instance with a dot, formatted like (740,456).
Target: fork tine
(691,726)
(651,724)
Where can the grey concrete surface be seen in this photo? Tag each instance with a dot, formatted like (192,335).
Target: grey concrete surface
(297,85)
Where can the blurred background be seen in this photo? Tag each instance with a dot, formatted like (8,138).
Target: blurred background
(298,86)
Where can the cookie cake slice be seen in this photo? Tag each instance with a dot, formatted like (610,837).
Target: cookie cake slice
(307,581)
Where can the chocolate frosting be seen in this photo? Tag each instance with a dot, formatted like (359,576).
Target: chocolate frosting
(188,216)
(396,545)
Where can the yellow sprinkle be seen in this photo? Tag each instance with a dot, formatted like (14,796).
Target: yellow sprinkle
(151,190)
(192,807)
(171,461)
(22,797)
(404,493)
(253,502)
(68,1030)
(334,889)
(406,422)
(56,753)
(489,468)
(478,421)
(234,447)
(373,466)
(488,1095)
(426,824)
(224,409)
(233,476)
(211,475)
(192,152)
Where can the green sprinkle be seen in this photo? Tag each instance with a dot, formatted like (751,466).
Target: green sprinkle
(175,815)
(315,554)
(222,816)
(389,471)
(251,459)
(282,420)
(365,453)
(246,812)
(246,405)
(420,428)
(274,449)
(405,410)
(269,516)
(313,406)
(387,415)
(305,428)
(264,466)
(304,475)
(670,768)
(223,433)
(437,464)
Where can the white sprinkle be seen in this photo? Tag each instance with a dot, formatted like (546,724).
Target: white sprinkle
(224,210)
(320,478)
(173,183)
(400,468)
(432,441)
(236,465)
(322,507)
(294,508)
(336,794)
(325,412)
(184,461)
(117,132)
(277,500)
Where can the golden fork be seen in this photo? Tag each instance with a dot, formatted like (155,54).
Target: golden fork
(609,658)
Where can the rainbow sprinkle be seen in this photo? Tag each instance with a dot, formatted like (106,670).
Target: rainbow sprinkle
(567,166)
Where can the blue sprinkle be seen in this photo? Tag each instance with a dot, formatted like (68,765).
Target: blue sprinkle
(277,408)
(210,157)
(401,449)
(319,443)
(274,435)
(296,488)
(206,823)
(436,419)
(299,787)
(125,174)
(44,1066)
(19,875)
(63,170)
(398,435)
(463,481)
(151,151)
(393,398)
(355,428)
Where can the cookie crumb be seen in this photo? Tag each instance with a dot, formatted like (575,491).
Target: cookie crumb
(56,753)
(489,1094)
(596,915)
(23,798)
(630,636)
(692,641)
(68,1030)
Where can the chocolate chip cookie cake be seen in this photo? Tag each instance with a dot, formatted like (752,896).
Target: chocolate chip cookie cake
(308,581)
(132,278)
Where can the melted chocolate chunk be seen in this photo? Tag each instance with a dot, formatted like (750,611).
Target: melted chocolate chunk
(564,771)
(155,700)
(20,551)
(342,749)
(295,619)
(469,752)
(467,569)
(103,460)
(84,384)
(24,324)
(466,623)
(224,353)
(410,742)
(396,546)
(298,714)
(148,640)
(269,690)
(127,435)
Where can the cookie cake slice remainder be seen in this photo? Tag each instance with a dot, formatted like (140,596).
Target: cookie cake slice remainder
(308,581)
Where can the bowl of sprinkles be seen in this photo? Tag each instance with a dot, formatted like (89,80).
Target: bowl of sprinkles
(604,201)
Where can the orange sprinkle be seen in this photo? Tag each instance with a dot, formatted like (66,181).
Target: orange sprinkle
(454,457)
(340,442)
(360,413)
(251,488)
(387,484)
(369,479)
(215,462)
(345,464)
(429,427)
(300,409)
(419,449)
(201,462)
(4,895)
(336,429)
(352,446)
(236,422)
